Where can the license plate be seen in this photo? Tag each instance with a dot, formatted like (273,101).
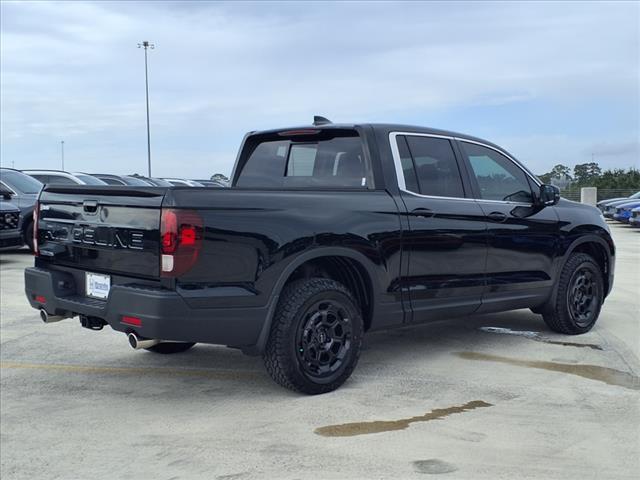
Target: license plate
(97,286)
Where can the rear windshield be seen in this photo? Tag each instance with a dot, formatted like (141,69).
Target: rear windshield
(328,159)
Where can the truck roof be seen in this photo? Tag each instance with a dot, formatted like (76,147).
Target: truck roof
(383,128)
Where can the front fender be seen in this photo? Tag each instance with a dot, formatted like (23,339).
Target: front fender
(577,237)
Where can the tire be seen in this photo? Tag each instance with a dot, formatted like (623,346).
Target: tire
(28,236)
(315,338)
(170,347)
(579,297)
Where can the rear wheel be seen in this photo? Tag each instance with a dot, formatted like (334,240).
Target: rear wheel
(315,338)
(579,297)
(170,347)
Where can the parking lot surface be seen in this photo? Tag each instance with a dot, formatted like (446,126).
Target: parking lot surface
(494,396)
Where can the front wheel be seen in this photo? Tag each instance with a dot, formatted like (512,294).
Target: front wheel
(315,337)
(579,297)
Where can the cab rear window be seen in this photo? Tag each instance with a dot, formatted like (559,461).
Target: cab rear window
(327,159)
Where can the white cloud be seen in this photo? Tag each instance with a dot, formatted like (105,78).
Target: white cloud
(71,70)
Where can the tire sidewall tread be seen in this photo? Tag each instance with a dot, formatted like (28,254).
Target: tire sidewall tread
(279,356)
(556,314)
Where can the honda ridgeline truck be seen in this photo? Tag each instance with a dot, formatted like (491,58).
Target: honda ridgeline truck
(327,232)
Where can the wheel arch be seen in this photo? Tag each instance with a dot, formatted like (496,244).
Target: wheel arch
(351,268)
(26,220)
(599,249)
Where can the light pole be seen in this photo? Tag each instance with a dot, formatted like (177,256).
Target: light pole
(62,152)
(146,45)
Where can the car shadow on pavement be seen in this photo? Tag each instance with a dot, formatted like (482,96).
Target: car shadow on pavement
(383,352)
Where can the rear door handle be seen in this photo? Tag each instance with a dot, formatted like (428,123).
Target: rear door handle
(422,212)
(497,217)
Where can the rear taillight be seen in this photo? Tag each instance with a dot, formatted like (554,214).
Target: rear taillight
(181,233)
(36,214)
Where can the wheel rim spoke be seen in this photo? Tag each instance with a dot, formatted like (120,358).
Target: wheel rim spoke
(324,339)
(583,296)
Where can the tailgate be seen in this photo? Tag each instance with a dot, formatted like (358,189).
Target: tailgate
(111,230)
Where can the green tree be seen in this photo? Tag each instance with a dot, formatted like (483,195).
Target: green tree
(585,173)
(559,171)
(220,177)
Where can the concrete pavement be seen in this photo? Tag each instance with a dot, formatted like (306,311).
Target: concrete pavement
(483,397)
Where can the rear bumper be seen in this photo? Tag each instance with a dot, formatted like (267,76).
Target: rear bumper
(163,314)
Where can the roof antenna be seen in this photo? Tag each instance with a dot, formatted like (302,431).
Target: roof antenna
(318,120)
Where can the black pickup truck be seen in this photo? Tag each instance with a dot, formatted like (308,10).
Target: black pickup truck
(328,231)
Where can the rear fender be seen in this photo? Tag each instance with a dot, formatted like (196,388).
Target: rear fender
(366,263)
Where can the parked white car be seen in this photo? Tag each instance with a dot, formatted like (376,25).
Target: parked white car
(60,177)
(181,182)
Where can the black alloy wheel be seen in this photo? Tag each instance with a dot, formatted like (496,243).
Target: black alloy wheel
(316,336)
(324,339)
(583,296)
(575,305)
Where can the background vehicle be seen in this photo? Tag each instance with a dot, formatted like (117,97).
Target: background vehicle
(10,235)
(154,182)
(58,177)
(603,203)
(623,211)
(181,182)
(609,209)
(327,232)
(24,191)
(112,179)
(210,183)
(634,220)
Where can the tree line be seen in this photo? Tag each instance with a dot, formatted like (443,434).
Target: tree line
(591,175)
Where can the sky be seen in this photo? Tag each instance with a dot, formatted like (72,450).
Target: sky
(551,82)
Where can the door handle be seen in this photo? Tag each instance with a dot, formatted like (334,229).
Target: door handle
(497,217)
(422,212)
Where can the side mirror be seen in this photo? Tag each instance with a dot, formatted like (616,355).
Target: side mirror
(549,195)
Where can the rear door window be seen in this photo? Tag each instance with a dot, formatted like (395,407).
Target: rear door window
(435,168)
(334,159)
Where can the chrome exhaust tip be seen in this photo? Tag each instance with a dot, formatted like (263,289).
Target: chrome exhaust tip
(46,318)
(138,343)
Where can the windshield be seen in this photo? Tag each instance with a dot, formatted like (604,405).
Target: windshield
(635,195)
(89,180)
(20,182)
(135,181)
